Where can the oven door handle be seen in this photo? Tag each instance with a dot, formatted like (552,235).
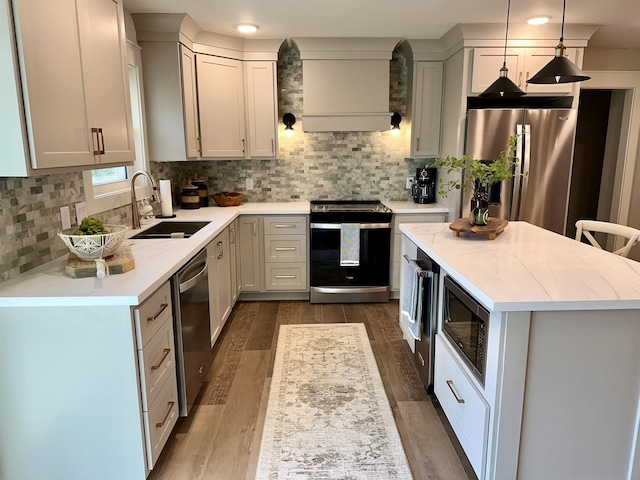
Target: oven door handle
(362,226)
(192,281)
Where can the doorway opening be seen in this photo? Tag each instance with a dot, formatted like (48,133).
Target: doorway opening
(597,167)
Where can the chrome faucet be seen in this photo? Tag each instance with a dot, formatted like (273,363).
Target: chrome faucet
(155,196)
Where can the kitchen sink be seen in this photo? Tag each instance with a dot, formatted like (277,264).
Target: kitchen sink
(171,230)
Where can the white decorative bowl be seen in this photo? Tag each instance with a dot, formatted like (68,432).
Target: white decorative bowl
(95,246)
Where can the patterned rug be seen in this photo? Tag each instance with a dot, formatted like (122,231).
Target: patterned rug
(328,416)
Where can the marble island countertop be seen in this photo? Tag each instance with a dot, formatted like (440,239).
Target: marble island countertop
(155,260)
(527,268)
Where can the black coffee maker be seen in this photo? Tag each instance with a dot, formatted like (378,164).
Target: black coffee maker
(423,188)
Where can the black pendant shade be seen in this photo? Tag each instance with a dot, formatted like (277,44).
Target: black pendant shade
(503,87)
(560,69)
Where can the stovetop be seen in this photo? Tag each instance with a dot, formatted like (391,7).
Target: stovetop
(349,211)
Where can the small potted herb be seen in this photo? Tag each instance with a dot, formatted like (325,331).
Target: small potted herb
(480,175)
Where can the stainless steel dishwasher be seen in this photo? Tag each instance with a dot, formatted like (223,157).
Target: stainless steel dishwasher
(192,329)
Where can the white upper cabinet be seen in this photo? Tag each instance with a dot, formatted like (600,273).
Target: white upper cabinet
(426,109)
(523,63)
(70,66)
(262,108)
(221,106)
(190,102)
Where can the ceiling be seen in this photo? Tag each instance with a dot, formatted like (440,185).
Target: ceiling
(424,19)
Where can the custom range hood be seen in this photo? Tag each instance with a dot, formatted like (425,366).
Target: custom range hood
(345,83)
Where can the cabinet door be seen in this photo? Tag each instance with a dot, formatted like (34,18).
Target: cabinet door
(487,63)
(262,108)
(535,59)
(106,78)
(427,109)
(221,106)
(249,238)
(189,102)
(48,46)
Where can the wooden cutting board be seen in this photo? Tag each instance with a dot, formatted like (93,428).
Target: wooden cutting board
(120,262)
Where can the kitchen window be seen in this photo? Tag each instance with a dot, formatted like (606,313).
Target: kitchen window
(109,188)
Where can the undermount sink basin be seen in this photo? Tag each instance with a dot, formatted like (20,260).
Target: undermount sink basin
(171,230)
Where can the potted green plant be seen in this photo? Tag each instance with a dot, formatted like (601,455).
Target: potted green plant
(479,175)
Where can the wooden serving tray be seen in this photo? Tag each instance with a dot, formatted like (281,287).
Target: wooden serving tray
(120,262)
(493,227)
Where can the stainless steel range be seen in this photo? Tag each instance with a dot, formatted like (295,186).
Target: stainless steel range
(350,251)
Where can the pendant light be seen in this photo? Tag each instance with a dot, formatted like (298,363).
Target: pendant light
(560,69)
(503,87)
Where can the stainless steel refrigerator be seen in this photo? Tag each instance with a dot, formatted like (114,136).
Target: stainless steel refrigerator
(545,150)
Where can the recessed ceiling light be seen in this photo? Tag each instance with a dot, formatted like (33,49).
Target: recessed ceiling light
(541,20)
(247,28)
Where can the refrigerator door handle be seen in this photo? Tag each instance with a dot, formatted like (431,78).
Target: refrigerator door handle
(525,163)
(517,186)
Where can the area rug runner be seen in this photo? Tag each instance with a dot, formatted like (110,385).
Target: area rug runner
(328,416)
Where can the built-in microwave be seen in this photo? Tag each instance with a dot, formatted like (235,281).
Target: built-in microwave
(465,324)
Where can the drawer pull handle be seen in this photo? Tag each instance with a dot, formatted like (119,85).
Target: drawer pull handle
(166,415)
(167,351)
(286,249)
(450,385)
(284,225)
(286,276)
(163,307)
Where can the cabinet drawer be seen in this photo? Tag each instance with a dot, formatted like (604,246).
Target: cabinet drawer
(280,225)
(152,313)
(291,276)
(466,409)
(160,419)
(157,361)
(285,248)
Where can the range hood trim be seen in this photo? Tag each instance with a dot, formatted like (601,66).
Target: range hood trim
(346,122)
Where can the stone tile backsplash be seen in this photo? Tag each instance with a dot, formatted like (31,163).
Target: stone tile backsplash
(334,165)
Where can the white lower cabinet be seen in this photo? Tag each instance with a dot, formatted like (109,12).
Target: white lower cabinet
(396,241)
(220,285)
(157,367)
(464,405)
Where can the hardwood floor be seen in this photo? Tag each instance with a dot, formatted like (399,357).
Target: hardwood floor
(221,438)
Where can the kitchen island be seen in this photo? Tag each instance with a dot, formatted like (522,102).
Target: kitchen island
(562,378)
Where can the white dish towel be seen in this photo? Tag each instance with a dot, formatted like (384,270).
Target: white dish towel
(412,298)
(349,244)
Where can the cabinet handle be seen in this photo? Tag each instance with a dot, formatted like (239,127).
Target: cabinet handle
(520,79)
(527,85)
(253,227)
(166,415)
(450,385)
(162,309)
(285,225)
(167,351)
(220,250)
(286,276)
(232,231)
(96,141)
(285,249)
(406,258)
(243,148)
(102,150)
(273,146)
(199,145)
(417,144)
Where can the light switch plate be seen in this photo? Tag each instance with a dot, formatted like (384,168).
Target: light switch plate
(81,211)
(65,217)
(409,183)
(249,183)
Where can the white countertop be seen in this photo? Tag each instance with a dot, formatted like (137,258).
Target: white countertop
(155,260)
(527,268)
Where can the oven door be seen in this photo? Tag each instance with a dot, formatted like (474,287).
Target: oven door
(373,268)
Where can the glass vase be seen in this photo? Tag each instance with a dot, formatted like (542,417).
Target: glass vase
(479,213)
